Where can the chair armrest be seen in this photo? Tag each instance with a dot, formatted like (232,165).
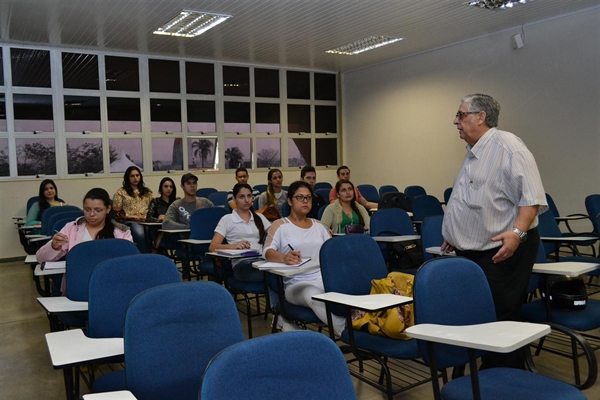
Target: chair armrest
(37,238)
(499,337)
(369,302)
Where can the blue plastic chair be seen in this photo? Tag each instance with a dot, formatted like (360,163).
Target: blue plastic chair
(205,192)
(447,195)
(261,188)
(171,333)
(321,211)
(369,192)
(322,185)
(387,189)
(219,199)
(50,212)
(348,265)
(437,283)
(30,202)
(414,191)
(72,214)
(324,193)
(203,222)
(294,365)
(426,206)
(255,204)
(431,234)
(285,210)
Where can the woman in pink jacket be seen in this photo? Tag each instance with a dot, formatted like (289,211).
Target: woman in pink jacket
(96,223)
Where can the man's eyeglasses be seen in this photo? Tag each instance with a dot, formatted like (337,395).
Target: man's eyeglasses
(461,114)
(303,198)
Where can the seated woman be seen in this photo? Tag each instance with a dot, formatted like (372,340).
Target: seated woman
(243,229)
(131,203)
(158,208)
(47,197)
(345,210)
(274,195)
(96,223)
(293,238)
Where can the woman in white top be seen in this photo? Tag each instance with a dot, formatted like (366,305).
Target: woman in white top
(274,195)
(243,229)
(296,237)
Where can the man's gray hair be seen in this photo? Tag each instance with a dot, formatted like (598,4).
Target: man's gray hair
(483,102)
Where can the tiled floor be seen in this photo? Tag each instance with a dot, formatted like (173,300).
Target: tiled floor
(26,371)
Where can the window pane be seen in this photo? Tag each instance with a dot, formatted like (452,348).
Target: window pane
(268,153)
(80,71)
(167,154)
(82,113)
(237,116)
(326,152)
(325,119)
(202,153)
(298,118)
(165,115)
(199,78)
(36,156)
(201,116)
(85,155)
(238,153)
(30,68)
(2,113)
(33,112)
(325,86)
(299,152)
(164,76)
(267,117)
(298,85)
(128,154)
(4,161)
(266,82)
(123,114)
(236,81)
(122,73)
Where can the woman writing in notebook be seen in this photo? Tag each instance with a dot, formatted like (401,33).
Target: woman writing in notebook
(243,229)
(295,238)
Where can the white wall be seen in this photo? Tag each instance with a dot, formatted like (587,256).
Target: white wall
(14,195)
(397,116)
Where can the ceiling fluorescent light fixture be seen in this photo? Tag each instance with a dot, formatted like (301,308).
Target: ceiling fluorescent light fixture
(189,23)
(368,43)
(495,4)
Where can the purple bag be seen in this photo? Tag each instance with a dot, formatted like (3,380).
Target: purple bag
(354,228)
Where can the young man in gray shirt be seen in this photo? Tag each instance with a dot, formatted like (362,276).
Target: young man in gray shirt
(178,214)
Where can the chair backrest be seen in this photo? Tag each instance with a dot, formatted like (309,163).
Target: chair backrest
(30,202)
(203,222)
(414,191)
(548,227)
(205,192)
(447,194)
(72,214)
(321,211)
(592,205)
(294,365)
(285,210)
(322,185)
(172,332)
(431,233)
(261,188)
(425,206)
(324,194)
(115,282)
(451,291)
(255,204)
(552,206)
(83,258)
(46,227)
(391,221)
(349,263)
(59,223)
(387,189)
(369,192)
(218,198)
(395,200)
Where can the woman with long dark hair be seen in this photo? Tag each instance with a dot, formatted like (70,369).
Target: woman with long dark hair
(159,205)
(47,197)
(275,195)
(131,203)
(243,229)
(345,210)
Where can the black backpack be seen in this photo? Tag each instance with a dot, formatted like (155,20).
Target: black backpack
(565,292)
(395,200)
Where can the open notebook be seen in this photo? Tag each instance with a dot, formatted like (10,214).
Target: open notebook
(276,265)
(240,252)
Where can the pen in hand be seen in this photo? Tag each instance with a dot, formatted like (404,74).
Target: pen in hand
(66,239)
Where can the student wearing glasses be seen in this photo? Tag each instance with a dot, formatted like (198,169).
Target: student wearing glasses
(345,210)
(293,238)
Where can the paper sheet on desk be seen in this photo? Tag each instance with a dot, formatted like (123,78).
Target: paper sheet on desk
(276,265)
(49,265)
(239,252)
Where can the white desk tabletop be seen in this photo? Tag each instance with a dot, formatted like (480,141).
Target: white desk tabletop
(31,259)
(30,227)
(120,395)
(174,230)
(228,256)
(62,304)
(18,217)
(369,302)
(286,272)
(150,223)
(37,238)
(195,241)
(72,347)
(568,239)
(500,337)
(436,251)
(564,268)
(38,271)
(395,239)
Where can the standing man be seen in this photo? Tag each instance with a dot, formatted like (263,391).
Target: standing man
(178,213)
(241,176)
(492,216)
(308,174)
(343,173)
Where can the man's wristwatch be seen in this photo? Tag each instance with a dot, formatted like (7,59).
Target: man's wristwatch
(522,235)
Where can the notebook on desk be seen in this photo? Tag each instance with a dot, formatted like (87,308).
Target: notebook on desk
(50,265)
(239,252)
(276,265)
